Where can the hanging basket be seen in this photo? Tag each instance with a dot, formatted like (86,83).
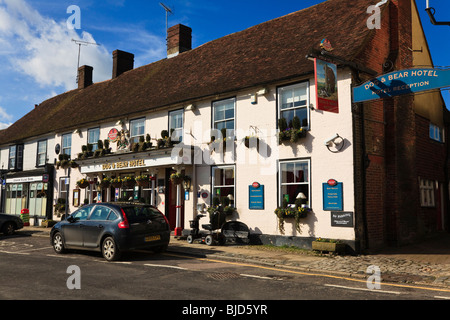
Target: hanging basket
(176,178)
(83,183)
(129,182)
(116,183)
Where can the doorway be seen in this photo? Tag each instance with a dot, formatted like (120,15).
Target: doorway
(171,202)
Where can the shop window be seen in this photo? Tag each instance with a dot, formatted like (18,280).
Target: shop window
(224,114)
(224,183)
(427,193)
(176,125)
(93,137)
(294,181)
(41,158)
(293,101)
(137,130)
(436,133)
(15,161)
(67,144)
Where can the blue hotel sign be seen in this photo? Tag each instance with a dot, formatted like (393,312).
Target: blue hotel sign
(402,82)
(333,199)
(256,197)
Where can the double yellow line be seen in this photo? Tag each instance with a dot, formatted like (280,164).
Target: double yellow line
(306,273)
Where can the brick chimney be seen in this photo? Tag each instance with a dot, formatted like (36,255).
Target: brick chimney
(179,40)
(85,77)
(122,62)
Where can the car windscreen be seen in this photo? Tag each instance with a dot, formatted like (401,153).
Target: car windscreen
(137,214)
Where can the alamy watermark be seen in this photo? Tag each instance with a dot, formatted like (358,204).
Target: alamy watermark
(374,21)
(74,21)
(374,280)
(74,281)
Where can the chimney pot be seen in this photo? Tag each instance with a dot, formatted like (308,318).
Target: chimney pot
(85,76)
(179,40)
(122,62)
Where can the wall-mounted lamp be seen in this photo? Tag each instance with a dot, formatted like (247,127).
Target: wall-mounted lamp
(120,123)
(262,92)
(187,183)
(191,107)
(77,131)
(336,141)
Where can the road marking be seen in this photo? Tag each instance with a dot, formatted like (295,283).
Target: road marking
(445,298)
(19,253)
(115,262)
(304,273)
(164,266)
(362,289)
(258,277)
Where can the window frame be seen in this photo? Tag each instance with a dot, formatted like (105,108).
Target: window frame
(427,193)
(214,185)
(18,157)
(213,110)
(63,148)
(436,133)
(135,138)
(95,143)
(63,190)
(181,133)
(281,184)
(38,164)
(306,85)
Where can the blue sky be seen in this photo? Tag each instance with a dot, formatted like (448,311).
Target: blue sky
(39,60)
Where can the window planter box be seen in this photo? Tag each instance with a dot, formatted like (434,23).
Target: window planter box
(328,246)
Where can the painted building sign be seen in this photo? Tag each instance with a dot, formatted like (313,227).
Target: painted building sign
(326,86)
(402,82)
(256,197)
(333,196)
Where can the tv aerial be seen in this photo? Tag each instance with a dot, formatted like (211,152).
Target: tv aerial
(169,11)
(82,43)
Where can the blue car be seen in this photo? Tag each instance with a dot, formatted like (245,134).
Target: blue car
(112,228)
(9,224)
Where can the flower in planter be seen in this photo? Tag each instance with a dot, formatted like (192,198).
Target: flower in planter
(247,140)
(83,183)
(105,182)
(129,181)
(177,178)
(143,181)
(295,212)
(116,182)
(291,133)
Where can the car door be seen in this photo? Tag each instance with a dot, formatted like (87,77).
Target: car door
(95,226)
(73,229)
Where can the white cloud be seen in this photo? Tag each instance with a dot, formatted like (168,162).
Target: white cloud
(42,48)
(5,119)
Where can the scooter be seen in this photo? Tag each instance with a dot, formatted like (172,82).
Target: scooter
(218,231)
(210,236)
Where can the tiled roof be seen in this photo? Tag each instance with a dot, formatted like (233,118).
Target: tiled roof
(270,52)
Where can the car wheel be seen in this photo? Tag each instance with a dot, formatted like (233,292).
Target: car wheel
(209,240)
(8,229)
(110,251)
(58,243)
(190,239)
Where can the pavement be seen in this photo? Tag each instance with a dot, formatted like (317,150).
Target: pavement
(424,263)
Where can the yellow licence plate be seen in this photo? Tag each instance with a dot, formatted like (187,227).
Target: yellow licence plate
(152,238)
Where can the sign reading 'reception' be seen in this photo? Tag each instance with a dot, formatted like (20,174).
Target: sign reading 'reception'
(402,82)
(326,86)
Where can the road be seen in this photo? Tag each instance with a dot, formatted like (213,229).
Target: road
(30,270)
